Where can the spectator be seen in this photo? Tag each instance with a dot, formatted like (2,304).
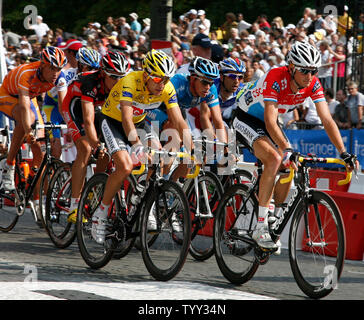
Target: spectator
(135,25)
(332,103)
(341,114)
(355,103)
(177,54)
(258,71)
(263,23)
(124,27)
(306,20)
(310,115)
(325,73)
(40,28)
(339,55)
(146,27)
(202,20)
(228,24)
(193,22)
(242,25)
(289,119)
(109,26)
(201,47)
(344,23)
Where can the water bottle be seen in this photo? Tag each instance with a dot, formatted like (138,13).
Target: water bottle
(24,168)
(271,217)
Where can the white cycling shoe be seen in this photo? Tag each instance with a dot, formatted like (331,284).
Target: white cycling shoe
(263,239)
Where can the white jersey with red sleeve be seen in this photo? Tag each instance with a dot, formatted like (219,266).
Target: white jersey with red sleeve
(274,86)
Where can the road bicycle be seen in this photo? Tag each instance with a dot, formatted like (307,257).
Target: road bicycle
(14,203)
(151,213)
(316,261)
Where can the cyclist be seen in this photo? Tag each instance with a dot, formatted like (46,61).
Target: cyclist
(123,112)
(280,90)
(196,92)
(84,98)
(229,84)
(54,97)
(18,95)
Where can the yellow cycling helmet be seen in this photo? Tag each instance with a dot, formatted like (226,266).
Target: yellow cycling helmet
(159,64)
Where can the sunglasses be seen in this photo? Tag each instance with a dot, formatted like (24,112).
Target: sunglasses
(234,76)
(307,71)
(159,79)
(205,82)
(114,76)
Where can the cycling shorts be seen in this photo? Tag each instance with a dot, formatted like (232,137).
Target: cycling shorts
(115,138)
(249,129)
(8,102)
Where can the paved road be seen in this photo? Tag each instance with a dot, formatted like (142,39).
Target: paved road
(26,253)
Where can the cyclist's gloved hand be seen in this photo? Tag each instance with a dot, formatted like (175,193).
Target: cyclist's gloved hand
(350,159)
(289,158)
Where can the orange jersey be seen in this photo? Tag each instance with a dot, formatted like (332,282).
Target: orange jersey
(26,77)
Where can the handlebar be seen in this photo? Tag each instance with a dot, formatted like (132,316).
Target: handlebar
(310,159)
(179,154)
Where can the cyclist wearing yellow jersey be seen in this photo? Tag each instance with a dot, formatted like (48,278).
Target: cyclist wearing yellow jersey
(124,112)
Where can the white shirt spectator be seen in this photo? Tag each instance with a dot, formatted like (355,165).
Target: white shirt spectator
(311,115)
(40,28)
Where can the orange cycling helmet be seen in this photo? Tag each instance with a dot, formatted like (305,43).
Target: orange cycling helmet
(53,56)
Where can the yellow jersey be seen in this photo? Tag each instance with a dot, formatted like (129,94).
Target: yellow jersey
(133,89)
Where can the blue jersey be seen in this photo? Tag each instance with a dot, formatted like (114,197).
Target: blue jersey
(184,96)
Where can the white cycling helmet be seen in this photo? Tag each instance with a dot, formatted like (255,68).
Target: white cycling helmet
(303,54)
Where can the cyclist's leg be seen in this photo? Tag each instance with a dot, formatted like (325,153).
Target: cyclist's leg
(251,131)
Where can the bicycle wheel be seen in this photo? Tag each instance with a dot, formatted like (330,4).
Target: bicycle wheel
(202,245)
(95,255)
(61,232)
(318,267)
(235,220)
(8,211)
(169,210)
(45,180)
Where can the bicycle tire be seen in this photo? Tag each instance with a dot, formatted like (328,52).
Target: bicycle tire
(234,256)
(45,180)
(202,245)
(317,278)
(95,255)
(165,257)
(8,212)
(61,232)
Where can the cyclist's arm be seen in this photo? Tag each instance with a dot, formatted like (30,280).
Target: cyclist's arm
(61,96)
(88,120)
(127,122)
(24,104)
(176,118)
(213,113)
(270,119)
(330,125)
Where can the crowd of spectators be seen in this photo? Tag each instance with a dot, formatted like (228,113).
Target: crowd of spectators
(262,44)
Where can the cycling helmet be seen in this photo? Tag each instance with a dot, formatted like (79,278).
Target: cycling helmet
(53,56)
(158,63)
(89,57)
(204,68)
(303,54)
(232,65)
(114,61)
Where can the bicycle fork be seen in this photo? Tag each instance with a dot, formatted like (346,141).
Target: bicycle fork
(206,199)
